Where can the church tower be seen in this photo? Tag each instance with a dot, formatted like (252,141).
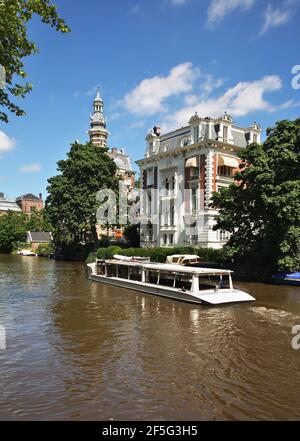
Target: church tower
(98,133)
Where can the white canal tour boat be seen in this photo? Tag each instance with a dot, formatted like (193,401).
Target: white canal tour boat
(189,284)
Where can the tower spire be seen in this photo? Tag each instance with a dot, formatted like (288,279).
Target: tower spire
(98,133)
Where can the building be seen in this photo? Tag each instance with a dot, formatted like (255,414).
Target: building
(124,165)
(38,238)
(29,203)
(7,205)
(180,171)
(99,135)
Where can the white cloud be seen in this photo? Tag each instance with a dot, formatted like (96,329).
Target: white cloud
(276,17)
(32,168)
(240,100)
(6,143)
(149,97)
(218,9)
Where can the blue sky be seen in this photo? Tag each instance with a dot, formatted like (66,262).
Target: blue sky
(155,61)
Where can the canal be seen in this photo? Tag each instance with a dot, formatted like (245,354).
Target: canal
(79,350)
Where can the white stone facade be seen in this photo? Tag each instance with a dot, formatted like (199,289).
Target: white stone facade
(180,172)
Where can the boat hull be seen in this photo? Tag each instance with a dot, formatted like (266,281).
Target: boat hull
(288,282)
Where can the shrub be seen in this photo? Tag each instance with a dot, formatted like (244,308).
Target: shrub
(160,255)
(108,253)
(44,249)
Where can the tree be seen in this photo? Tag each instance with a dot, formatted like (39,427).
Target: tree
(262,212)
(38,221)
(71,205)
(15,45)
(14,227)
(132,234)
(13,230)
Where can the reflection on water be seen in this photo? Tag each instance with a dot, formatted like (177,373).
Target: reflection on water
(81,350)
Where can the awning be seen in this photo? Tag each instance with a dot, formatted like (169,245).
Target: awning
(228,161)
(192,162)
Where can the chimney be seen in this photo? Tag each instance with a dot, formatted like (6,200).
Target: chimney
(156,130)
(40,196)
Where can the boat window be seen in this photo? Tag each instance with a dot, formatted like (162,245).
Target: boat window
(123,272)
(213,282)
(184,281)
(135,273)
(166,279)
(151,277)
(100,268)
(170,279)
(111,270)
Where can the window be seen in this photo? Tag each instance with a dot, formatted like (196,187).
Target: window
(196,134)
(165,239)
(167,185)
(150,177)
(173,183)
(254,138)
(225,133)
(224,236)
(194,200)
(150,233)
(171,239)
(225,171)
(172,216)
(149,205)
(194,173)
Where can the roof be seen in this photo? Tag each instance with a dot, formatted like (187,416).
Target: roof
(9,205)
(208,131)
(185,269)
(173,268)
(122,161)
(29,196)
(39,236)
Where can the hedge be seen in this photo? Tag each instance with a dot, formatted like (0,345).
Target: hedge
(160,254)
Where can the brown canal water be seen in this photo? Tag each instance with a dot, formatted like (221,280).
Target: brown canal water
(79,350)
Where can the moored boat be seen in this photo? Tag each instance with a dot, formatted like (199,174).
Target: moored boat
(190,284)
(292,279)
(184,259)
(26,253)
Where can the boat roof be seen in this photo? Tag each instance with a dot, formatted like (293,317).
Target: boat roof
(185,269)
(171,267)
(185,256)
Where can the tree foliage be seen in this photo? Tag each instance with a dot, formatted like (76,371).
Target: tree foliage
(15,45)
(14,227)
(262,212)
(132,234)
(71,205)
